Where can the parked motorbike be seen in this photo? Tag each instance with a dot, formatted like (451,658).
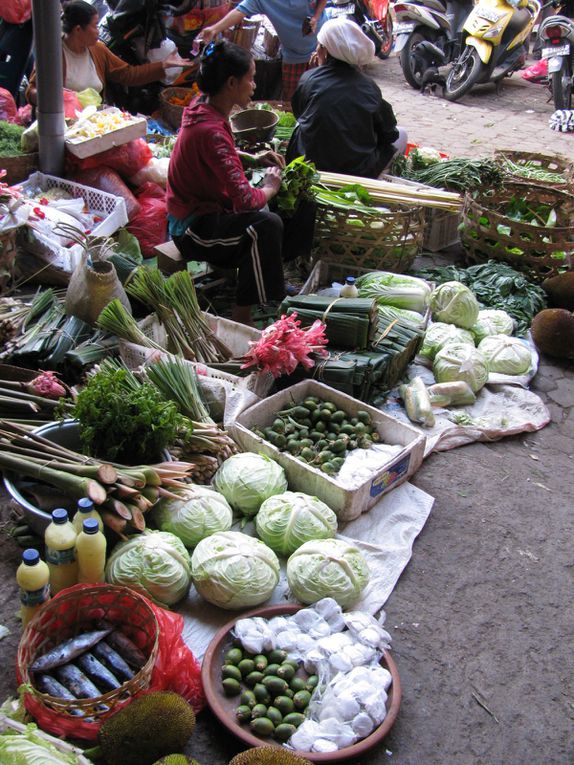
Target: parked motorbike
(427,36)
(131,29)
(496,35)
(556,35)
(374,18)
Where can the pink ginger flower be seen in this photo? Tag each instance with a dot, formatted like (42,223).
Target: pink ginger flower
(47,385)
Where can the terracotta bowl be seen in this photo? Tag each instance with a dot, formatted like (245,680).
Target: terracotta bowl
(224,707)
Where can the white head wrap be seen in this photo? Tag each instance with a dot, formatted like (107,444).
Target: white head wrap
(346,41)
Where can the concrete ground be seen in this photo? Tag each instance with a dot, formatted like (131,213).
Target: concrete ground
(482,617)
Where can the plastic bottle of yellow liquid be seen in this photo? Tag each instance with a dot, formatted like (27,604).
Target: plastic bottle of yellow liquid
(91,553)
(86,509)
(60,539)
(33,577)
(349,289)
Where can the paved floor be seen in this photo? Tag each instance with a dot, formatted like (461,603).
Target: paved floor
(482,617)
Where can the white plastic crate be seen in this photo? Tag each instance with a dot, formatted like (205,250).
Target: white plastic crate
(346,503)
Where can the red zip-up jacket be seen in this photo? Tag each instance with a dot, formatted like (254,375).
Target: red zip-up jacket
(205,173)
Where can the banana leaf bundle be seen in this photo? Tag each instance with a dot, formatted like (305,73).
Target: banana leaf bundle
(349,322)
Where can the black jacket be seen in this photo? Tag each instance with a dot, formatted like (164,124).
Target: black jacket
(345,126)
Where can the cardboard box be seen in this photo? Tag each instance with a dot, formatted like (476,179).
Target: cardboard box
(135,127)
(347,503)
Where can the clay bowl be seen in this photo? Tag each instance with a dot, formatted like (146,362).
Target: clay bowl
(224,707)
(254,125)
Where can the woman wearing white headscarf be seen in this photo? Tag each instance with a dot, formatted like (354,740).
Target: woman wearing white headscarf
(344,124)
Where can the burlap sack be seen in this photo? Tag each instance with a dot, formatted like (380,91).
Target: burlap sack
(91,288)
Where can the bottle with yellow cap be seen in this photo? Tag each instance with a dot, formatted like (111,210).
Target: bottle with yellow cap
(33,577)
(60,538)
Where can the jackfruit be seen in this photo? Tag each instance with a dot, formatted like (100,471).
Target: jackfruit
(176,759)
(148,728)
(553,332)
(268,755)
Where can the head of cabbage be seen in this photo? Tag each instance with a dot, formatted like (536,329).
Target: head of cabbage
(439,334)
(332,568)
(284,522)
(198,512)
(154,563)
(461,361)
(506,355)
(492,321)
(247,479)
(454,303)
(233,570)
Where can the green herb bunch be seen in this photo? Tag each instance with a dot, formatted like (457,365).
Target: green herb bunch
(10,137)
(125,423)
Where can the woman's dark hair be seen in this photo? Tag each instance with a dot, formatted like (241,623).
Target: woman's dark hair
(219,62)
(75,13)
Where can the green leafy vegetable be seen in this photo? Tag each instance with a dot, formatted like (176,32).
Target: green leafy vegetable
(296,185)
(454,303)
(10,137)
(285,521)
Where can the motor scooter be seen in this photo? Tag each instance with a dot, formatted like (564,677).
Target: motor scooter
(556,35)
(374,18)
(426,36)
(496,35)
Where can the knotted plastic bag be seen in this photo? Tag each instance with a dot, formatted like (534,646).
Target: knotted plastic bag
(92,286)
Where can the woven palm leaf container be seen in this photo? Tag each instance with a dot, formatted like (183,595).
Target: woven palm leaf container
(19,167)
(555,164)
(7,258)
(388,241)
(538,250)
(82,609)
(170,112)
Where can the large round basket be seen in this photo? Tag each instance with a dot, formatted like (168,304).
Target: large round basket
(170,112)
(539,250)
(254,125)
(80,610)
(18,167)
(530,162)
(388,241)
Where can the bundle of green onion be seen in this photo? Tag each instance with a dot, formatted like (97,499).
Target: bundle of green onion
(349,321)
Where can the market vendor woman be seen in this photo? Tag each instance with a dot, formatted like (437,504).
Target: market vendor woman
(214,213)
(88,63)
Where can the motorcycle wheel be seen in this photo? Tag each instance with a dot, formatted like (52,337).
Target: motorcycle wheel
(562,90)
(387,45)
(406,58)
(464,73)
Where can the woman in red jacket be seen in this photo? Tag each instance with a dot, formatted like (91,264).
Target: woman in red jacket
(214,213)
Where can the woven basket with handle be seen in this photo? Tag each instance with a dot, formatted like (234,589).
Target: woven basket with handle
(80,610)
(18,167)
(172,113)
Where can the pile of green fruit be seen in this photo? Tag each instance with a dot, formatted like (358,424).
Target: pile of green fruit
(273,697)
(320,433)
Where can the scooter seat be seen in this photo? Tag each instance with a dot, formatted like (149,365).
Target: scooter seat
(517,23)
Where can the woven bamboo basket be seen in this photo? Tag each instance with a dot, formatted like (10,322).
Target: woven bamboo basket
(550,164)
(389,241)
(80,610)
(19,167)
(539,251)
(172,113)
(7,258)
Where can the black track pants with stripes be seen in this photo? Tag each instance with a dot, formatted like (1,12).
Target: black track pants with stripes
(250,242)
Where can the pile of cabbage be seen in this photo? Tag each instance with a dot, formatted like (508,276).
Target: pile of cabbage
(231,569)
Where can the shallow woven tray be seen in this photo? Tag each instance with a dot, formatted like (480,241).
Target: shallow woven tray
(19,167)
(79,610)
(549,163)
(483,240)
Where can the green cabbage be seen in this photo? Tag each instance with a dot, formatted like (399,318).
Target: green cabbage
(233,570)
(454,303)
(461,361)
(397,290)
(247,479)
(331,568)
(506,355)
(199,512)
(287,520)
(439,334)
(154,563)
(29,748)
(492,321)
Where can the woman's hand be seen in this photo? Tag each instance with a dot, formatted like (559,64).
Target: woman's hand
(175,60)
(272,182)
(269,159)
(207,34)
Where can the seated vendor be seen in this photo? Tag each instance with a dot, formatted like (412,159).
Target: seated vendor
(344,124)
(214,213)
(88,63)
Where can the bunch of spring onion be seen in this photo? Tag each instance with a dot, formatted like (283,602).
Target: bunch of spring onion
(457,174)
(123,494)
(174,301)
(531,171)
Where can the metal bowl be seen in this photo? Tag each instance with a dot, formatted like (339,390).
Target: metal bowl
(254,125)
(66,433)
